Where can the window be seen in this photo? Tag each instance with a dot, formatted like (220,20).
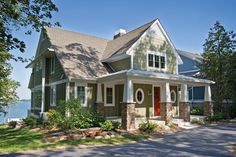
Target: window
(173,96)
(163,62)
(52,64)
(81,94)
(150,60)
(157,62)
(139,96)
(109,95)
(53,96)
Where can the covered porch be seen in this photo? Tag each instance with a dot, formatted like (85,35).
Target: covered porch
(147,95)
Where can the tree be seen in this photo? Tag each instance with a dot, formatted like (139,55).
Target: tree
(219,63)
(14,15)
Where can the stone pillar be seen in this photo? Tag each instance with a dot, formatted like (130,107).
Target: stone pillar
(166,111)
(207,105)
(100,108)
(128,115)
(208,108)
(184,111)
(184,108)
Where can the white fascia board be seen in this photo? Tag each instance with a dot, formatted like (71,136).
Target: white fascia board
(116,58)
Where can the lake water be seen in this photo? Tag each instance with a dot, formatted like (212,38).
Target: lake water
(16,110)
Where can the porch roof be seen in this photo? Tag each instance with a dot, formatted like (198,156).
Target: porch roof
(153,75)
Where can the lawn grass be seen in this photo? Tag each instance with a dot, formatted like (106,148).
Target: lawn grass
(13,140)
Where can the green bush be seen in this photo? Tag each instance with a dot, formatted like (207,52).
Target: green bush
(107,125)
(116,125)
(71,115)
(12,124)
(148,126)
(218,116)
(30,121)
(196,111)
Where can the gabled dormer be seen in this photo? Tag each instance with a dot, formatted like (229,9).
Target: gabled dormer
(146,48)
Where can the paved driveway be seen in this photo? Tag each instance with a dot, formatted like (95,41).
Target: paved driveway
(202,141)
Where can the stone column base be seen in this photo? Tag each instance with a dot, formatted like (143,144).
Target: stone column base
(184,111)
(128,115)
(208,108)
(166,111)
(100,108)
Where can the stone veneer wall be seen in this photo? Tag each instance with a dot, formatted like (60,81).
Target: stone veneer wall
(166,111)
(184,111)
(128,116)
(208,108)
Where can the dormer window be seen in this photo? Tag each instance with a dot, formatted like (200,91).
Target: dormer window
(156,60)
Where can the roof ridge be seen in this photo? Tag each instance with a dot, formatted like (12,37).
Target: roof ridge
(65,30)
(135,29)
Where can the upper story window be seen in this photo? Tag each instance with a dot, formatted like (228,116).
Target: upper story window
(156,61)
(52,64)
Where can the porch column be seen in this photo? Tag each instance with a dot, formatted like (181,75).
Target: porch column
(208,105)
(166,106)
(184,108)
(99,103)
(43,87)
(128,106)
(67,90)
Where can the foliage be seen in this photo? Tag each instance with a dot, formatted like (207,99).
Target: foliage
(71,115)
(30,15)
(196,110)
(219,64)
(12,124)
(107,125)
(116,124)
(30,121)
(217,117)
(148,126)
(198,121)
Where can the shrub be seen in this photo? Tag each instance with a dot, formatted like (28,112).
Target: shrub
(30,121)
(148,126)
(198,121)
(12,124)
(196,111)
(116,125)
(78,117)
(107,125)
(218,116)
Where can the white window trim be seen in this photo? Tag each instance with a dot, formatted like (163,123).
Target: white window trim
(53,103)
(173,91)
(52,72)
(85,85)
(159,54)
(136,96)
(113,94)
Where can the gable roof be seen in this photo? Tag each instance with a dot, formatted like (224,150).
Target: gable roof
(192,56)
(79,54)
(122,44)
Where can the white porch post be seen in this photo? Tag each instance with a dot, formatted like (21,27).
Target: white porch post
(99,93)
(75,90)
(43,87)
(184,108)
(207,106)
(67,90)
(165,92)
(128,91)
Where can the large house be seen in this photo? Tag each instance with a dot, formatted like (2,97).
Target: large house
(133,75)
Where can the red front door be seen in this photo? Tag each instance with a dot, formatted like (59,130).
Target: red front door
(156,101)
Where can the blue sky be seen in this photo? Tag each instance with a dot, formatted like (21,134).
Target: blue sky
(187,22)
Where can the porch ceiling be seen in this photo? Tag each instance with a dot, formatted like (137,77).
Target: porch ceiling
(149,75)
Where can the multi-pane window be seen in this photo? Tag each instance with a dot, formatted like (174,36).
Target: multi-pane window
(81,94)
(156,61)
(150,60)
(162,62)
(109,95)
(52,64)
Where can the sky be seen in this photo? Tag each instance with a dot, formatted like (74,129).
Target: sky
(187,22)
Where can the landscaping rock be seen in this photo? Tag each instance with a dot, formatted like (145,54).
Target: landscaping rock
(98,137)
(107,137)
